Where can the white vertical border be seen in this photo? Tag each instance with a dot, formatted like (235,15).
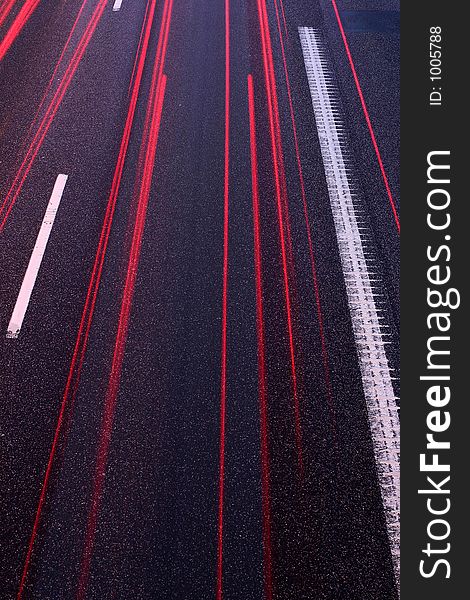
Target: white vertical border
(29,280)
(361,282)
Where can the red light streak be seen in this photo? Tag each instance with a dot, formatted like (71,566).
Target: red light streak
(90,301)
(51,111)
(316,287)
(156,74)
(15,28)
(284,21)
(279,174)
(265,481)
(144,176)
(5,10)
(56,68)
(150,140)
(138,47)
(366,115)
(223,376)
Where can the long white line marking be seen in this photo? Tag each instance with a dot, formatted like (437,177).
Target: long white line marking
(117,5)
(29,280)
(360,279)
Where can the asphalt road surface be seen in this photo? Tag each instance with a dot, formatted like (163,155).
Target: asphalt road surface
(187,377)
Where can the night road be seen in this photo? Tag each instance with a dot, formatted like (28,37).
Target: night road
(199,309)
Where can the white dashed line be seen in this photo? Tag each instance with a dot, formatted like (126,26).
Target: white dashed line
(117,5)
(29,280)
(360,279)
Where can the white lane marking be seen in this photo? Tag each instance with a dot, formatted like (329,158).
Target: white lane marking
(29,280)
(360,279)
(117,5)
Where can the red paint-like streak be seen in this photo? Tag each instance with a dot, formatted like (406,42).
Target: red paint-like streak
(138,48)
(223,375)
(49,115)
(144,176)
(263,402)
(15,28)
(156,76)
(88,310)
(284,19)
(366,115)
(279,173)
(99,260)
(316,287)
(280,153)
(5,10)
(151,138)
(57,66)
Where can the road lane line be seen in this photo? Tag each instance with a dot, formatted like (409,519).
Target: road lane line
(29,280)
(367,117)
(359,275)
(117,5)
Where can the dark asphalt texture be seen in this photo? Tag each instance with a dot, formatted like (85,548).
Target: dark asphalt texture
(157,529)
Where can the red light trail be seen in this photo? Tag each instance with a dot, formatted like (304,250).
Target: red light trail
(156,76)
(283,497)
(138,47)
(5,10)
(142,190)
(57,66)
(263,402)
(316,287)
(279,177)
(366,114)
(15,28)
(49,115)
(223,375)
(149,142)
(284,20)
(90,301)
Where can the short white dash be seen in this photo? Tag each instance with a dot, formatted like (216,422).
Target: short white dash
(29,280)
(117,5)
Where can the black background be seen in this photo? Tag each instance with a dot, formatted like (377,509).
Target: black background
(425,129)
